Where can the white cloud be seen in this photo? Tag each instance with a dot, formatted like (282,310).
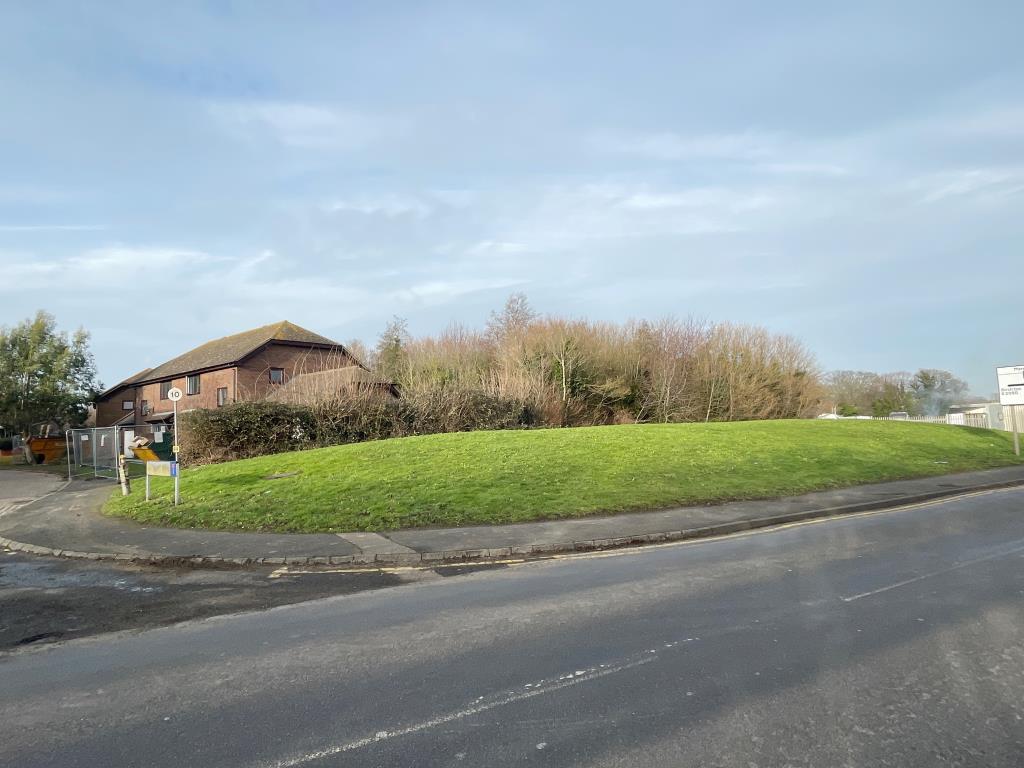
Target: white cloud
(456,198)
(487,247)
(21,272)
(98,268)
(51,227)
(31,194)
(390,206)
(122,261)
(674,146)
(576,216)
(443,291)
(987,183)
(723,200)
(302,125)
(1001,121)
(804,169)
(764,152)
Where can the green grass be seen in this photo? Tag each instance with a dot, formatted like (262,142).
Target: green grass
(506,477)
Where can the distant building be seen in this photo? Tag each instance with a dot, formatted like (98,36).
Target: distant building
(988,415)
(245,366)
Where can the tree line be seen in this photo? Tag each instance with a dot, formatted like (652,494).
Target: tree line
(523,369)
(929,392)
(572,372)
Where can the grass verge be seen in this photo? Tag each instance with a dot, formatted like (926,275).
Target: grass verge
(513,476)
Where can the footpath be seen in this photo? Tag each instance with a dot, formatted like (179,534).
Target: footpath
(67,522)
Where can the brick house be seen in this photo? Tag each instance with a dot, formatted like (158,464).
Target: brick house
(245,366)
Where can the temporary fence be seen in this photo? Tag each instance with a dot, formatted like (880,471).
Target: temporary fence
(94,452)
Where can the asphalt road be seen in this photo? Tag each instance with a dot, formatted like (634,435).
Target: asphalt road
(48,599)
(886,639)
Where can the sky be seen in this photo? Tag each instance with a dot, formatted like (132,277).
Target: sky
(851,174)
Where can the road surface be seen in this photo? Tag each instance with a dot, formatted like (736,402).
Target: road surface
(892,638)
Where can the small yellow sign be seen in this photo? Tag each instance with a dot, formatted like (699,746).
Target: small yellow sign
(175,449)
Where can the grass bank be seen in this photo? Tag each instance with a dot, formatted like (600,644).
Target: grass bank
(513,476)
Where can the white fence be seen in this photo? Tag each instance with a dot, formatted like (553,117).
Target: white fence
(957,419)
(919,419)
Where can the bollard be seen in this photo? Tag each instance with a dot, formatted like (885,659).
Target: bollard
(122,472)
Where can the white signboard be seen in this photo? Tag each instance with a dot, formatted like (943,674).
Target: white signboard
(1011,384)
(174,394)
(162,468)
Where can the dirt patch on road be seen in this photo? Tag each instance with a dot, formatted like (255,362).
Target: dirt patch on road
(46,600)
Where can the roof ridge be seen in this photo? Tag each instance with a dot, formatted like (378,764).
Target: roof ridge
(279,328)
(229,349)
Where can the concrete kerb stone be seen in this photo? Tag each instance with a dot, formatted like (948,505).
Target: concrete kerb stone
(554,547)
(398,558)
(497,553)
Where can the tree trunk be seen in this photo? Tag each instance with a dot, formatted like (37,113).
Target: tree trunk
(711,399)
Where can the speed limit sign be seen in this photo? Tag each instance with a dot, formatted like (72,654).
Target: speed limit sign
(174,394)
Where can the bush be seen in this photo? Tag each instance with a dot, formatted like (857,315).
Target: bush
(242,431)
(249,429)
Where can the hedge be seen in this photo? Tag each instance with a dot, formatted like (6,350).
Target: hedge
(248,429)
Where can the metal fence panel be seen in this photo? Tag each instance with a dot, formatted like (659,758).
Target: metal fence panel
(94,452)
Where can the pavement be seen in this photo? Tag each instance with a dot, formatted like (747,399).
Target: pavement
(889,638)
(19,487)
(67,523)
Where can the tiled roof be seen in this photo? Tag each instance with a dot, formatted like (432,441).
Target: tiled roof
(227,350)
(319,385)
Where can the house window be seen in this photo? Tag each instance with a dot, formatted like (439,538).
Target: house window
(222,396)
(165,387)
(277,375)
(192,384)
(145,407)
(127,405)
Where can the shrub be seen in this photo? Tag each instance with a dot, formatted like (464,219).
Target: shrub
(243,430)
(248,429)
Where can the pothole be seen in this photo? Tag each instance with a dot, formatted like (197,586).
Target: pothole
(39,638)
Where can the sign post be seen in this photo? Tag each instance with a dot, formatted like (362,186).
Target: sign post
(174,395)
(1011,395)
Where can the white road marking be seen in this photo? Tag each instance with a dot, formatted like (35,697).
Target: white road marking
(504,699)
(922,577)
